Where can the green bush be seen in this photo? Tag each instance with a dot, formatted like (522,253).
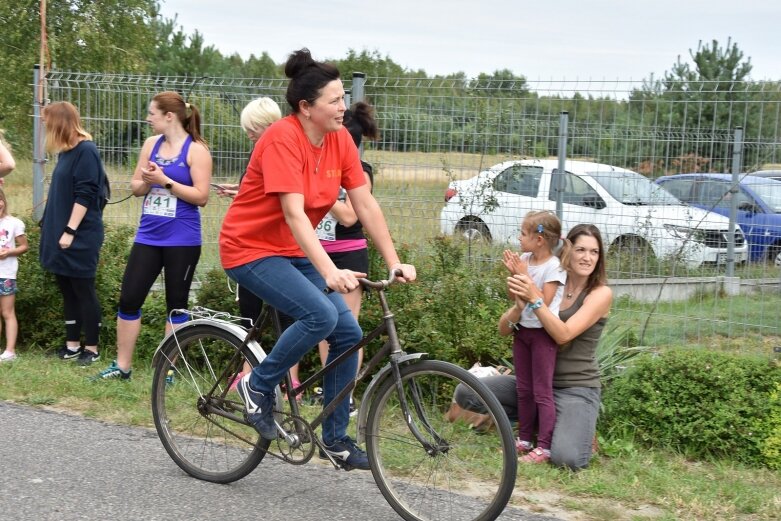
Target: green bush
(217,292)
(771,449)
(39,306)
(702,404)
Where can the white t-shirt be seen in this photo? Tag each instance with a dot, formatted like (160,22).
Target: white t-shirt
(10,229)
(548,271)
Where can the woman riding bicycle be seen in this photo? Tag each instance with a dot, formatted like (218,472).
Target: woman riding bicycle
(268,243)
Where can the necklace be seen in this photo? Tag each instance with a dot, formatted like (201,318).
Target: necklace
(319,157)
(569,293)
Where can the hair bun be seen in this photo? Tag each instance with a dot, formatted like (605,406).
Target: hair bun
(298,61)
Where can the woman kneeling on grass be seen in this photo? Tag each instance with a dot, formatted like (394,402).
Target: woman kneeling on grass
(577,329)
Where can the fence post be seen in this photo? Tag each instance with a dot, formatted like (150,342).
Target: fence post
(359,80)
(559,175)
(737,153)
(356,95)
(39,156)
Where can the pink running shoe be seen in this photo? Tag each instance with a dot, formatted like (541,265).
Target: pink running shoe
(235,381)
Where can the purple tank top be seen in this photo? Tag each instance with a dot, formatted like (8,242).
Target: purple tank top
(167,220)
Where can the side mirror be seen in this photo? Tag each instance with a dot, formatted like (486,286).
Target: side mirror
(749,207)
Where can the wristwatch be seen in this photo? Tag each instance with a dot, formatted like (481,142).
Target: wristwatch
(537,304)
(169,185)
(69,230)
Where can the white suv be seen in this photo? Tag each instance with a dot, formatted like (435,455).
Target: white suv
(629,209)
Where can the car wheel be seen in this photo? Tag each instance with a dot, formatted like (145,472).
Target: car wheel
(474,231)
(632,246)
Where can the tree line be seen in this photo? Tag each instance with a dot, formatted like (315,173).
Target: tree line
(686,115)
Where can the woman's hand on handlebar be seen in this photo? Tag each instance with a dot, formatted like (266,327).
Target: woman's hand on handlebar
(402,273)
(344,281)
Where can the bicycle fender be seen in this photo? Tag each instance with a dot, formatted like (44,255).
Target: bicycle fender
(368,394)
(234,329)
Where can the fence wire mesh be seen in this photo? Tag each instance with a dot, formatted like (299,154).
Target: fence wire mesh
(436,131)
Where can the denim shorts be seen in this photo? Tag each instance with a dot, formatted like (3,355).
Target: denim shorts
(7,287)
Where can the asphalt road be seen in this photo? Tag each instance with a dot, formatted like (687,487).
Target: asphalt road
(56,466)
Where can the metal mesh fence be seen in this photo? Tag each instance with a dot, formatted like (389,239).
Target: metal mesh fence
(438,131)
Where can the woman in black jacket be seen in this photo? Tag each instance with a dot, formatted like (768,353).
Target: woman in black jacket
(72,227)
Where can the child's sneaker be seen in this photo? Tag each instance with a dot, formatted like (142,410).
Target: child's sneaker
(112,372)
(87,357)
(234,382)
(66,353)
(260,408)
(7,357)
(523,447)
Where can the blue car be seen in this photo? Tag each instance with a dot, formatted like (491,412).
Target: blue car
(759,206)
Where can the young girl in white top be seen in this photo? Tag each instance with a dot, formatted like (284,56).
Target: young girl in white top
(534,351)
(13,242)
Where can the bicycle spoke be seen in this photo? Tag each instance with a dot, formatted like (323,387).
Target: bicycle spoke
(465,475)
(192,413)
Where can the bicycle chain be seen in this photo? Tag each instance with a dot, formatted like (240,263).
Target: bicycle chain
(298,445)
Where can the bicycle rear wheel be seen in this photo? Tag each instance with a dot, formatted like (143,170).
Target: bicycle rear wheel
(466,475)
(191,389)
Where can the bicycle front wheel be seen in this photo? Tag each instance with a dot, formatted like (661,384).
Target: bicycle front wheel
(457,472)
(198,414)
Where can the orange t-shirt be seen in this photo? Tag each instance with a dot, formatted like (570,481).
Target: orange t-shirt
(284,161)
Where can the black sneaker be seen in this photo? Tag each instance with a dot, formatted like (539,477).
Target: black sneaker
(112,372)
(64,353)
(260,408)
(348,454)
(87,357)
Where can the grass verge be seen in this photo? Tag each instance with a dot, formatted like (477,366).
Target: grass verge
(625,482)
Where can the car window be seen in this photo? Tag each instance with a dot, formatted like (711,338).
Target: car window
(519,180)
(716,194)
(770,193)
(634,189)
(680,188)
(577,191)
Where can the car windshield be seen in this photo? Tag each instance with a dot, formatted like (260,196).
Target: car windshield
(633,188)
(770,192)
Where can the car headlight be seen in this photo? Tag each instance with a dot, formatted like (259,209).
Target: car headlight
(686,233)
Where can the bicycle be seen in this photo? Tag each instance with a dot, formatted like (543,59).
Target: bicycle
(425,466)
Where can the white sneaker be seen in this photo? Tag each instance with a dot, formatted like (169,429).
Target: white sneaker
(7,357)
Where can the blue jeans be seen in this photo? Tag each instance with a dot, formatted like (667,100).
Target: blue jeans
(293,286)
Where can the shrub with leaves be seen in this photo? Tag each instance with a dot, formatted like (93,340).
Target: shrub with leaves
(771,448)
(700,403)
(39,305)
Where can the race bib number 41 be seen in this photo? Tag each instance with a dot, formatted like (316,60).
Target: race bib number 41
(160,202)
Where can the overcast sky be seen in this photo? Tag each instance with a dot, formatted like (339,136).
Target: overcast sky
(542,40)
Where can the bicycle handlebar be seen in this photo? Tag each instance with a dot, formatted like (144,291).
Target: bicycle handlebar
(381,284)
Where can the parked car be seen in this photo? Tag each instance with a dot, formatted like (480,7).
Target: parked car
(630,210)
(772,174)
(758,204)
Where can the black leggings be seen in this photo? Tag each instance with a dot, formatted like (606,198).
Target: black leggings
(143,267)
(82,309)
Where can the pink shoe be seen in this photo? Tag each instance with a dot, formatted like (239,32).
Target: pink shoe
(522,447)
(296,383)
(235,381)
(537,455)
